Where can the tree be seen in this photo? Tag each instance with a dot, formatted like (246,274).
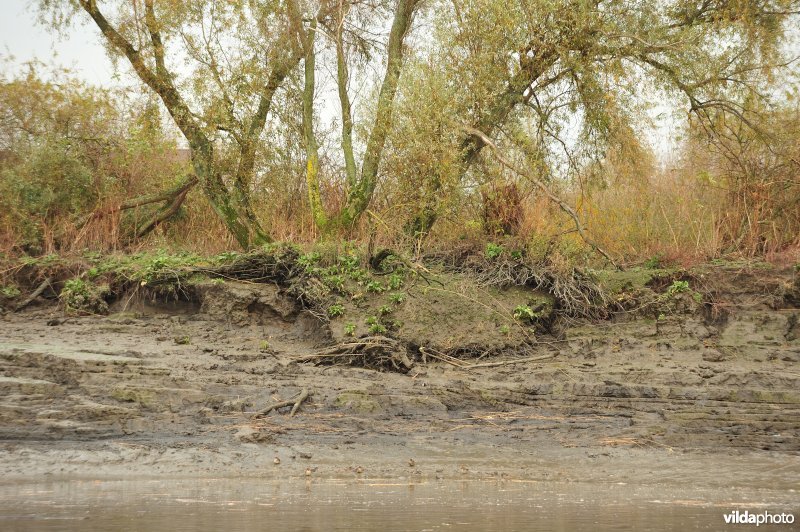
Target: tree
(348,41)
(549,81)
(238,60)
(560,77)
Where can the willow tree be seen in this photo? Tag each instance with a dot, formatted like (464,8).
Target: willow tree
(555,80)
(348,28)
(217,67)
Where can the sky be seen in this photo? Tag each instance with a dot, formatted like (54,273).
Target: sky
(22,39)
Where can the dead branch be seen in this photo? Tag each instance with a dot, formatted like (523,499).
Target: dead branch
(36,293)
(294,403)
(303,396)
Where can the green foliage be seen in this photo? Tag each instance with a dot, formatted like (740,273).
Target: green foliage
(228,257)
(653,263)
(68,148)
(395,281)
(493,250)
(397,298)
(349,329)
(309,260)
(677,287)
(81,297)
(524,313)
(334,311)
(334,282)
(9,291)
(375,287)
(385,309)
(375,326)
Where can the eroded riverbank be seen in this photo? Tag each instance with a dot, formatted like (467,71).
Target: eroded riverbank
(153,390)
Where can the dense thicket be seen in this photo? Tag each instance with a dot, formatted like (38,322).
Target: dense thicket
(456,119)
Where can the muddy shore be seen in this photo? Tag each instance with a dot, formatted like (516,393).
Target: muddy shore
(173,388)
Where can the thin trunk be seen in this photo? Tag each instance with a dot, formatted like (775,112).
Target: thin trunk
(312,150)
(360,195)
(343,79)
(167,211)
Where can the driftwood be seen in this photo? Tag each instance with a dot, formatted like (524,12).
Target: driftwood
(294,403)
(36,293)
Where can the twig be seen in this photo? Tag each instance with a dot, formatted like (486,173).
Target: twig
(295,403)
(36,293)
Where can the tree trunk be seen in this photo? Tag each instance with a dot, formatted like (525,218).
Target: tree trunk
(360,195)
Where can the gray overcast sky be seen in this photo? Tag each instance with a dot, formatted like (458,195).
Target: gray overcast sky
(23,39)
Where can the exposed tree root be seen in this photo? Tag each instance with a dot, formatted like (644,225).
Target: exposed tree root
(372,351)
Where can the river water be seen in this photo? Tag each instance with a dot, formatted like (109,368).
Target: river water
(318,504)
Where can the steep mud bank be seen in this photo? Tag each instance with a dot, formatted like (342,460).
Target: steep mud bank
(709,394)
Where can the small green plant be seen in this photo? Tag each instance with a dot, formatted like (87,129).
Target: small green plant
(516,254)
(228,256)
(75,294)
(308,260)
(374,287)
(377,328)
(397,298)
(358,274)
(384,310)
(493,250)
(349,329)
(263,346)
(10,291)
(334,282)
(524,313)
(677,287)
(505,329)
(182,340)
(653,263)
(395,281)
(334,311)
(349,261)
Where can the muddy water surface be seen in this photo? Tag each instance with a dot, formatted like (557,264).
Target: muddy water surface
(217,504)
